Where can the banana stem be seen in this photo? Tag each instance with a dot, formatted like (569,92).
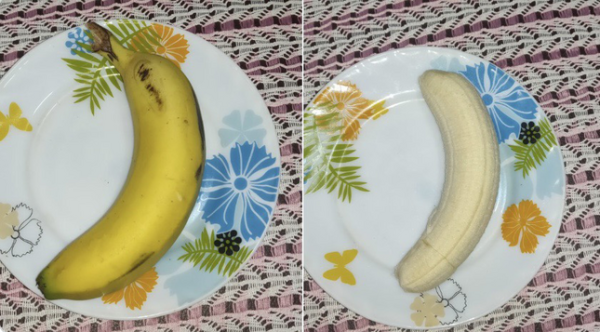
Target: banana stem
(101,40)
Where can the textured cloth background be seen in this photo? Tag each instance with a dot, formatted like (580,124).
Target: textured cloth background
(263,37)
(552,48)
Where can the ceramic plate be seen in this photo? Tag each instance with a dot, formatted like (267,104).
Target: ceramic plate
(374,170)
(66,143)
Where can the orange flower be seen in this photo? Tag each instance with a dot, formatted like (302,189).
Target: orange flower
(525,219)
(346,99)
(171,46)
(136,293)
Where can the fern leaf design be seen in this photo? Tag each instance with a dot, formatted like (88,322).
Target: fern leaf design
(529,156)
(328,163)
(92,70)
(203,253)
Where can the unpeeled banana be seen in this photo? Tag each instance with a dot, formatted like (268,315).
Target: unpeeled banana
(470,187)
(161,188)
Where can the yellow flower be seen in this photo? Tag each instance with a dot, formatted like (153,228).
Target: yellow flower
(8,220)
(525,219)
(13,119)
(136,293)
(427,309)
(171,46)
(346,99)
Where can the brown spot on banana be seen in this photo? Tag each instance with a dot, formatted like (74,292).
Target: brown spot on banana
(143,72)
(155,94)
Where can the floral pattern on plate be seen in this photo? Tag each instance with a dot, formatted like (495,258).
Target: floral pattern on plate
(222,253)
(136,293)
(237,190)
(507,102)
(19,231)
(94,72)
(236,197)
(240,128)
(533,145)
(330,124)
(443,308)
(530,139)
(526,222)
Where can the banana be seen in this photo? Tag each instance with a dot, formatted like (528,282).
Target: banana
(161,188)
(470,186)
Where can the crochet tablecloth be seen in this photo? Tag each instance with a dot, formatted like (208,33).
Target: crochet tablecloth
(264,39)
(552,48)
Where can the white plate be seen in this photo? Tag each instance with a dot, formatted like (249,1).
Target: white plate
(400,162)
(60,177)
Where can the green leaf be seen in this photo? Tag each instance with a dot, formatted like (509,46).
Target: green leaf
(84,77)
(81,89)
(92,105)
(80,69)
(341,153)
(126,30)
(89,57)
(129,25)
(145,45)
(529,156)
(79,63)
(82,99)
(105,86)
(326,158)
(343,159)
(139,46)
(113,75)
(123,27)
(81,94)
(86,47)
(89,67)
(154,37)
(349,168)
(115,31)
(203,253)
(94,86)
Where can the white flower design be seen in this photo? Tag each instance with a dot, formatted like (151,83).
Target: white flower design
(451,296)
(25,231)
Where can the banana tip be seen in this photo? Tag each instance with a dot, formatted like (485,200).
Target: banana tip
(101,40)
(41,284)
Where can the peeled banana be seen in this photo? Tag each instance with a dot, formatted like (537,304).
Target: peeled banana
(470,187)
(161,188)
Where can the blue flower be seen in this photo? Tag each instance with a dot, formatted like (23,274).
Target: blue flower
(239,192)
(507,102)
(246,129)
(77,36)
